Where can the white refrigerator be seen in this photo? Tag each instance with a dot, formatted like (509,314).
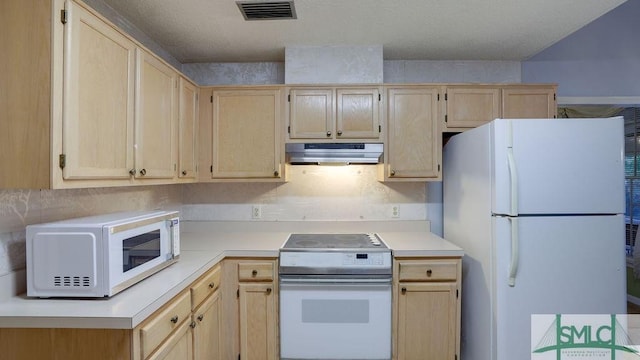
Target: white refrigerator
(537,205)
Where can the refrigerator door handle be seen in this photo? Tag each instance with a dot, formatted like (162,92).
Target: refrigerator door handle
(513,173)
(513,266)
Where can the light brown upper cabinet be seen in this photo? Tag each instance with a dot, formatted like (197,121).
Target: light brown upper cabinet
(529,101)
(156,118)
(188,130)
(88,107)
(413,151)
(98,95)
(469,106)
(241,126)
(334,113)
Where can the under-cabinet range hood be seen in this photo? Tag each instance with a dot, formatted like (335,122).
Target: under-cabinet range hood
(334,153)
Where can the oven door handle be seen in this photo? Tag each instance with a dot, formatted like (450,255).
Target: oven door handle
(310,280)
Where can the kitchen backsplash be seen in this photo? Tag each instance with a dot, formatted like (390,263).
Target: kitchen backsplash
(349,193)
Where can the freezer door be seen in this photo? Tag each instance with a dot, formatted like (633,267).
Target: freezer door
(563,166)
(567,265)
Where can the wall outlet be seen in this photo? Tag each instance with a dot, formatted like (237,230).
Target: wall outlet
(256,212)
(395,211)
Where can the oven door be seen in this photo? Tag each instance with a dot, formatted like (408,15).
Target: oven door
(335,317)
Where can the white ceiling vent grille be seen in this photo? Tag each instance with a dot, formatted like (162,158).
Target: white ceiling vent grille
(267,10)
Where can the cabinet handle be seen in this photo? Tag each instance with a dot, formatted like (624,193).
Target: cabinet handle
(200,317)
(339,133)
(393,173)
(429,272)
(268,291)
(404,290)
(212,285)
(143,172)
(193,324)
(174,319)
(328,133)
(254,273)
(184,172)
(132,172)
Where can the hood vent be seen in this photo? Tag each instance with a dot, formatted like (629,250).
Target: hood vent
(334,153)
(267,10)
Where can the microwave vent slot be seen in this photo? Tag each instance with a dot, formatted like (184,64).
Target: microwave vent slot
(71,281)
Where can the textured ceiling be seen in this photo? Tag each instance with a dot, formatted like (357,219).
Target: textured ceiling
(215,31)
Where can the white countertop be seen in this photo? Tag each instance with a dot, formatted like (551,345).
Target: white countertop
(202,246)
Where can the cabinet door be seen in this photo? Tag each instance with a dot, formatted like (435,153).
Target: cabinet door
(413,147)
(426,321)
(358,113)
(98,96)
(258,325)
(155,146)
(469,107)
(529,102)
(311,113)
(188,130)
(206,334)
(246,134)
(178,346)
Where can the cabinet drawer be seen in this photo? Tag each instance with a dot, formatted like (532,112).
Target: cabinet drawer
(162,324)
(432,270)
(205,286)
(258,271)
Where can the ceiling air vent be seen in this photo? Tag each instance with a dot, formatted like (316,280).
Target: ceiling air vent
(267,10)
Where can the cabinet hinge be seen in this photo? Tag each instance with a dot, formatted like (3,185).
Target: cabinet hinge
(238,293)
(446,96)
(289,129)
(211,99)
(379,128)
(439,171)
(456,357)
(289,98)
(238,356)
(63,16)
(62,161)
(211,169)
(445,118)
(379,97)
(456,289)
(438,96)
(554,97)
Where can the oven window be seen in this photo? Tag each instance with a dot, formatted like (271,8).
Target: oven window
(140,249)
(335,311)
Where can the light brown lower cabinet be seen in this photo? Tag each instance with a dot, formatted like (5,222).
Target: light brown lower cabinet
(206,331)
(426,310)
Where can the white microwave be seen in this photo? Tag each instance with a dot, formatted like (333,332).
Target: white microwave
(99,256)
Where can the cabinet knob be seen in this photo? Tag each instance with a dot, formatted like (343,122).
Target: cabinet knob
(404,290)
(328,133)
(143,172)
(268,291)
(339,132)
(392,173)
(212,285)
(200,317)
(254,273)
(174,319)
(184,172)
(429,272)
(193,324)
(276,173)
(132,172)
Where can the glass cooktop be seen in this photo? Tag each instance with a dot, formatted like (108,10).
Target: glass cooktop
(334,241)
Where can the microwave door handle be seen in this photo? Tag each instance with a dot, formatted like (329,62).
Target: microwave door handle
(171,238)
